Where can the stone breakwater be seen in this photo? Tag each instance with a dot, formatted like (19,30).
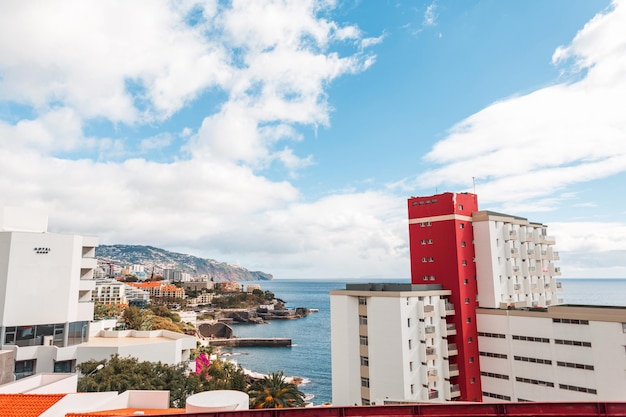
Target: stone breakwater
(251,342)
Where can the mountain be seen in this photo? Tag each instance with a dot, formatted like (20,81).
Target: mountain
(155,259)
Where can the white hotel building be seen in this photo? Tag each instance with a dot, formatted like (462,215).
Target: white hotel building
(390,343)
(513,338)
(46,307)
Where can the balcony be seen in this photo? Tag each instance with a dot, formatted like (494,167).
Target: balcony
(431,353)
(512,235)
(517,287)
(429,310)
(450,329)
(555,271)
(449,308)
(452,349)
(512,269)
(430,329)
(514,253)
(432,394)
(455,391)
(432,375)
(454,370)
(555,256)
(559,286)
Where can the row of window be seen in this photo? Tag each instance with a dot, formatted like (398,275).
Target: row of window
(497,396)
(579,389)
(574,365)
(535,382)
(531,338)
(494,355)
(422,202)
(572,342)
(494,375)
(570,321)
(494,335)
(533,360)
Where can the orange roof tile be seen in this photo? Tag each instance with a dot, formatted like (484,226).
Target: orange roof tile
(129,412)
(26,405)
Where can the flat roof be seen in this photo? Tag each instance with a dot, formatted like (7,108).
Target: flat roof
(616,314)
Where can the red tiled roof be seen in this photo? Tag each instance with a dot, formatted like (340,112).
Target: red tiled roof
(26,405)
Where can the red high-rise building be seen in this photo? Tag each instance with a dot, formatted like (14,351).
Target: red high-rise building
(442,252)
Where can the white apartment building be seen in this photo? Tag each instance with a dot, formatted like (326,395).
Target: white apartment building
(562,353)
(46,306)
(389,343)
(111,291)
(46,280)
(514,262)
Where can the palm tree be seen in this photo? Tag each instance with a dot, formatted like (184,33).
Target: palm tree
(274,392)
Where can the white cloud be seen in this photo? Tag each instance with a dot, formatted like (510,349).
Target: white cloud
(136,65)
(91,55)
(535,145)
(430,17)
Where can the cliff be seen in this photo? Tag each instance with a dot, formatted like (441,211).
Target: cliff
(156,259)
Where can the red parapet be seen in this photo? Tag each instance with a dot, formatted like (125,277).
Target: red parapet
(530,409)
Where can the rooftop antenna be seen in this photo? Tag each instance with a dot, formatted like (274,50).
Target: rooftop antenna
(474,183)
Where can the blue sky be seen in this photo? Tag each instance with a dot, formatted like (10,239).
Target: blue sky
(286,136)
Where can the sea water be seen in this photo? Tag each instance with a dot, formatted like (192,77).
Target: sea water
(309,355)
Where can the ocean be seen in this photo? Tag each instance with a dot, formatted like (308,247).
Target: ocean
(309,355)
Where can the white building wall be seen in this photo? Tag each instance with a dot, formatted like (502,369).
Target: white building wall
(388,361)
(346,379)
(514,262)
(49,277)
(405,329)
(552,359)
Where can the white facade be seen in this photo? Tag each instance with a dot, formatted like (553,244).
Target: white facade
(564,353)
(514,262)
(46,280)
(46,306)
(381,334)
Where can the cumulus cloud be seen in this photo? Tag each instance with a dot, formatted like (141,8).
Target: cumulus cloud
(67,68)
(537,145)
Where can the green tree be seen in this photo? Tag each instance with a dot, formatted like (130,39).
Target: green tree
(121,374)
(274,392)
(137,318)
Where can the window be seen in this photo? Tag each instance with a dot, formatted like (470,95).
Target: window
(469,319)
(411,366)
(535,382)
(462,243)
(623,327)
(64,366)
(467,301)
(494,355)
(472,380)
(408,322)
(410,344)
(365,361)
(575,365)
(365,401)
(494,375)
(579,389)
(572,343)
(362,320)
(498,396)
(465,282)
(469,339)
(365,382)
(362,301)
(462,225)
(471,359)
(24,368)
(363,340)
(460,206)
(412,389)
(463,262)
(533,360)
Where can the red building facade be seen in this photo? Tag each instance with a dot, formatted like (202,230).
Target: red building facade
(442,252)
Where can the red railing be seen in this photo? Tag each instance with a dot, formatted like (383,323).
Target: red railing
(530,409)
